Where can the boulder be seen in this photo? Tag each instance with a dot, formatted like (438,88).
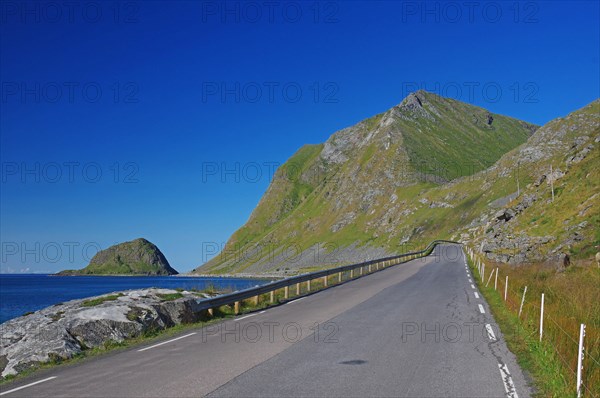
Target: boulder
(65,330)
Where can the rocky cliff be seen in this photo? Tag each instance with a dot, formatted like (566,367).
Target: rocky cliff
(557,211)
(137,257)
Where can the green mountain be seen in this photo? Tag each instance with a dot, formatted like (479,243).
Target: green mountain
(364,192)
(137,257)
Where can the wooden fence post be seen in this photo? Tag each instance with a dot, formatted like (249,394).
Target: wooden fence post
(542,318)
(522,301)
(580,359)
(496,280)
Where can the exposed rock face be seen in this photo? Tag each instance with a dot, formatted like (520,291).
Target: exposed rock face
(137,257)
(65,330)
(563,155)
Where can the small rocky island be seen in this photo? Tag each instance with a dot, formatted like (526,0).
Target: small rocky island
(67,329)
(137,257)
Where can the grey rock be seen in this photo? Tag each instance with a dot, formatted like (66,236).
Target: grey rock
(65,330)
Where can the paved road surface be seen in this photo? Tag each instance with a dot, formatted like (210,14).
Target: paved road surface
(418,329)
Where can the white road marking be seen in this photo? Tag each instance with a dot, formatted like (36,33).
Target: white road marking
(262,312)
(166,342)
(244,317)
(27,385)
(473,286)
(470,280)
(476,295)
(481,309)
(301,298)
(509,386)
(490,332)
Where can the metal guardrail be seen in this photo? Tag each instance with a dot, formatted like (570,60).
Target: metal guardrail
(236,297)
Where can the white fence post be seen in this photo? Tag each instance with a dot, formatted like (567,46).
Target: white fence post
(483,273)
(522,301)
(490,278)
(542,318)
(580,359)
(505,287)
(496,280)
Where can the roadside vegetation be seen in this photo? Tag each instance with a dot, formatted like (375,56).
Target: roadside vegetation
(100,300)
(572,297)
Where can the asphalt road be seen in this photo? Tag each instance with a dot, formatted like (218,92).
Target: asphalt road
(419,329)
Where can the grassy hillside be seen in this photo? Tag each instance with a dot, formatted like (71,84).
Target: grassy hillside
(357,195)
(137,257)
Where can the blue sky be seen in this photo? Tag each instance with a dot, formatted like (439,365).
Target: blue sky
(164,120)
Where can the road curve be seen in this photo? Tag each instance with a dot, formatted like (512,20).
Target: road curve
(419,329)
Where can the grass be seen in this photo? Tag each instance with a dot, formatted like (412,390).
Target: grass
(571,297)
(100,300)
(169,296)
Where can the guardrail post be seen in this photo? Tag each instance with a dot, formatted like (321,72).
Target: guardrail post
(361,271)
(272,296)
(236,308)
(505,287)
(369,268)
(308,285)
(580,358)
(286,292)
(351,273)
(340,277)
(297,289)
(325,281)
(256,300)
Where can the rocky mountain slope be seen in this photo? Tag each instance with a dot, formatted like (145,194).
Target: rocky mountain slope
(137,257)
(361,194)
(558,210)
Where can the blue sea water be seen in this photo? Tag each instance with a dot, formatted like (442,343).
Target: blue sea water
(31,292)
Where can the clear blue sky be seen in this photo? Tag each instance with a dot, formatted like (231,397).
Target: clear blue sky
(159,96)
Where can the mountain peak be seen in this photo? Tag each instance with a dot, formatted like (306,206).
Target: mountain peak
(360,184)
(413,100)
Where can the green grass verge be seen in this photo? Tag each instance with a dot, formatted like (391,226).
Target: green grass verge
(538,359)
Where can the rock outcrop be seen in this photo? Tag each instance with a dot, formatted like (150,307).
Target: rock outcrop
(65,330)
(137,257)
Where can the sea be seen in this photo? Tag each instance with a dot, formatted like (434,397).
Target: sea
(22,293)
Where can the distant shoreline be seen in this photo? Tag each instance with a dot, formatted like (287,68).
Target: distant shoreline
(211,276)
